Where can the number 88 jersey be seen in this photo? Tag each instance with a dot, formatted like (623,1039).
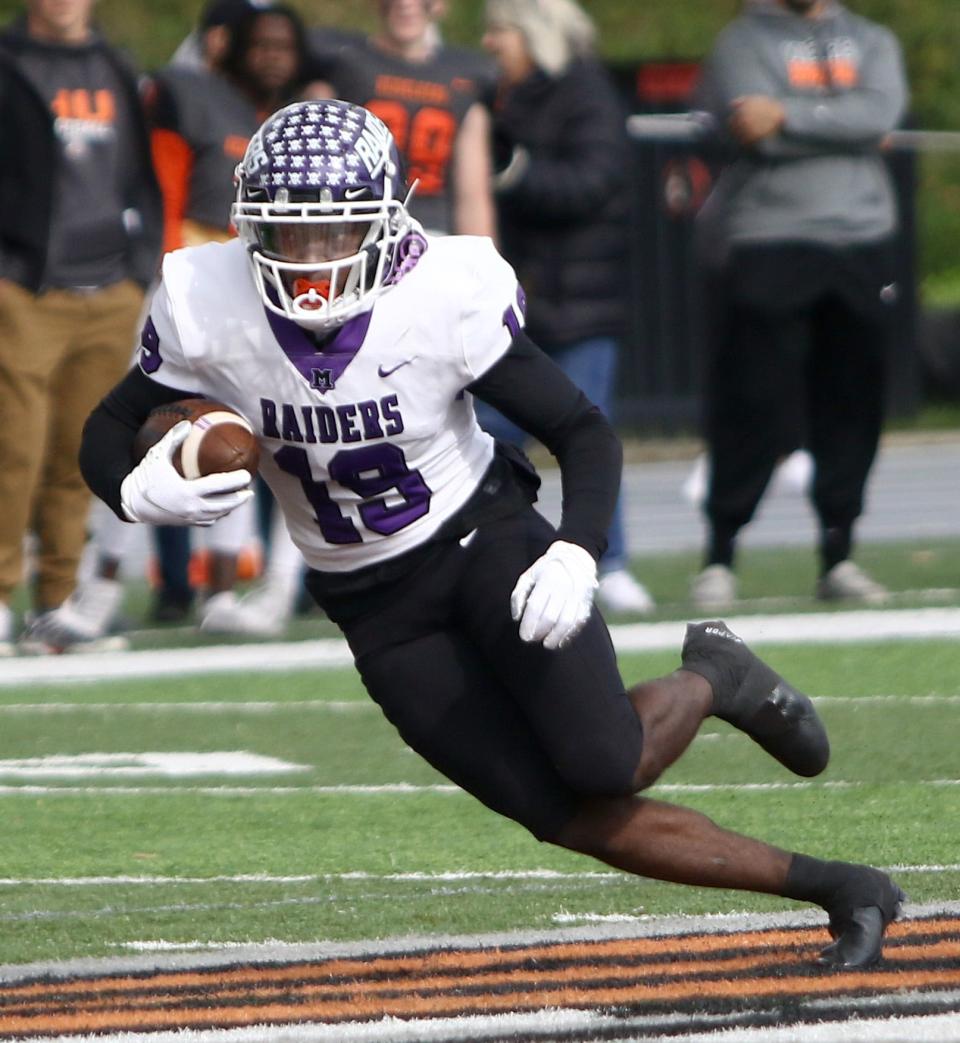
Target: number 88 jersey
(371,443)
(423,104)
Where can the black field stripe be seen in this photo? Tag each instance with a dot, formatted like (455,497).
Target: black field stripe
(556,975)
(754,978)
(373,967)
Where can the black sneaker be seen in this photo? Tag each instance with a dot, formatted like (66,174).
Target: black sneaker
(754,698)
(170,608)
(861,908)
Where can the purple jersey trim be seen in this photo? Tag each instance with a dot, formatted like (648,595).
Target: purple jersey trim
(336,355)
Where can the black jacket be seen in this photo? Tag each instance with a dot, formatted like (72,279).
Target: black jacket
(29,157)
(563,224)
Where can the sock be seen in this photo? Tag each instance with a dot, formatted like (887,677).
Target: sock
(810,879)
(722,546)
(715,653)
(835,545)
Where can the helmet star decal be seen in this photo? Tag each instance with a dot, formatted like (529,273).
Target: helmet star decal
(321,209)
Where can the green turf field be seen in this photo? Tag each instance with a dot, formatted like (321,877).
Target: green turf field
(360,839)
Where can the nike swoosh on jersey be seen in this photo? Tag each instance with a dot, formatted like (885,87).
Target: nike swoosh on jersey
(384,372)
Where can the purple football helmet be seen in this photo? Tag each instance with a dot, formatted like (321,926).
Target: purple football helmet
(321,208)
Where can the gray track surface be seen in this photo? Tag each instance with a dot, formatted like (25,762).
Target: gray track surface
(913,494)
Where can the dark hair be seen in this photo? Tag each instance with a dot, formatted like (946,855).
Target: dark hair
(229,12)
(241,36)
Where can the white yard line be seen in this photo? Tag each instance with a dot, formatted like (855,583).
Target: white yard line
(365,705)
(353,877)
(411,789)
(552,1024)
(815,628)
(225,706)
(266,878)
(390,789)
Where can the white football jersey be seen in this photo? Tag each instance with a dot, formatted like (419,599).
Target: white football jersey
(372,444)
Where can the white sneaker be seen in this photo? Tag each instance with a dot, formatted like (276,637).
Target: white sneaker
(714,588)
(91,608)
(794,474)
(694,488)
(53,633)
(225,613)
(274,599)
(7,646)
(618,591)
(846,581)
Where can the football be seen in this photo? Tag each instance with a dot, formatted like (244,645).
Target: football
(219,440)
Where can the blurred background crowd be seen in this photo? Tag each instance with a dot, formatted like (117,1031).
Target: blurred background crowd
(713,210)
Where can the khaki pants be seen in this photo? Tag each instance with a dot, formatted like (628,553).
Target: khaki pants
(60,352)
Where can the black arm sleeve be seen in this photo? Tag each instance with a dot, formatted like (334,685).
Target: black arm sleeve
(532,391)
(106,451)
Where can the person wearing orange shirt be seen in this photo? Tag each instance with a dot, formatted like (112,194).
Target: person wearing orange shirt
(202,121)
(429,94)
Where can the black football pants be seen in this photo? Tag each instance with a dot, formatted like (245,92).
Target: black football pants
(527,731)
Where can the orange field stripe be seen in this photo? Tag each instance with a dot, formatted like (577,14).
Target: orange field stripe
(357,1008)
(396,986)
(949,925)
(210,993)
(455,959)
(458,960)
(355,1001)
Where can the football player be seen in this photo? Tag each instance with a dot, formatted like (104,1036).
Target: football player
(355,344)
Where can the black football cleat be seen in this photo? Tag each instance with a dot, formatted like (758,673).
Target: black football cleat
(860,911)
(754,698)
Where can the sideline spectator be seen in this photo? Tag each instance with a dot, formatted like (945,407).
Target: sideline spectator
(204,49)
(796,244)
(561,150)
(80,224)
(205,46)
(429,95)
(263,67)
(203,119)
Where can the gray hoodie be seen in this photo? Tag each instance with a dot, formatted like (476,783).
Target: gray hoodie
(821,178)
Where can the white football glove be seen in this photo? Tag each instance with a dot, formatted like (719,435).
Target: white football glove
(155,492)
(553,598)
